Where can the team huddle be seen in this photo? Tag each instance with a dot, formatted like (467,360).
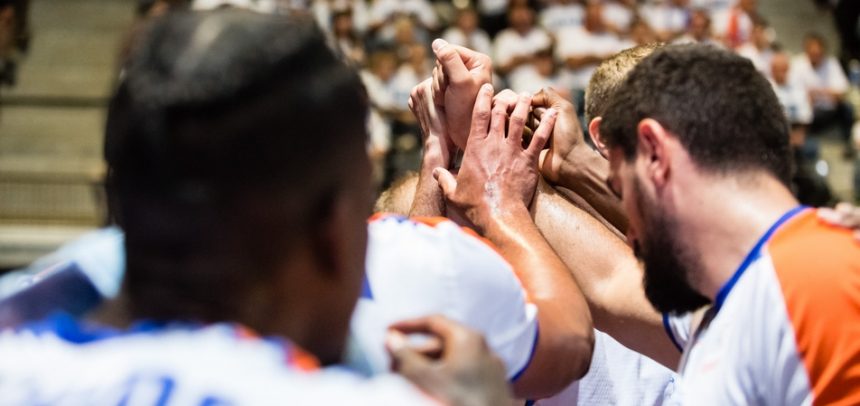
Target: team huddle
(663,260)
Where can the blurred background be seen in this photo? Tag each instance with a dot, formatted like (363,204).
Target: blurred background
(59,61)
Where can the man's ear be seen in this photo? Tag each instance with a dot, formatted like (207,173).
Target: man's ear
(594,132)
(330,239)
(654,148)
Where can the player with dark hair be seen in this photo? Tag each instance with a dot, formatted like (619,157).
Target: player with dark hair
(699,154)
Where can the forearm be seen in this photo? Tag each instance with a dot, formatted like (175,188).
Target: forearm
(566,340)
(583,175)
(608,274)
(429,201)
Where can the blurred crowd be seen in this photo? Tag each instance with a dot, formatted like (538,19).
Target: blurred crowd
(559,43)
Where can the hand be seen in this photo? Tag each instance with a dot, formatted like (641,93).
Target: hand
(844,215)
(457,78)
(497,175)
(438,147)
(567,135)
(462,371)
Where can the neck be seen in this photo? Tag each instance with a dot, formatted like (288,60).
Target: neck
(725,220)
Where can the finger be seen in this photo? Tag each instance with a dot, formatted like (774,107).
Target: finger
(517,122)
(481,112)
(476,62)
(438,85)
(543,132)
(446,182)
(452,64)
(498,123)
(506,98)
(546,97)
(830,216)
(405,360)
(454,336)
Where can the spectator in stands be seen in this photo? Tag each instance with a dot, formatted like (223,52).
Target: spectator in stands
(581,49)
(384,13)
(323,11)
(759,49)
(465,32)
(641,33)
(345,39)
(14,37)
(809,186)
(543,74)
(734,26)
(825,80)
(493,16)
(516,47)
(699,30)
(668,18)
(617,14)
(560,14)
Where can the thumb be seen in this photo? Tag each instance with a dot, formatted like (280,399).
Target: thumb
(446,181)
(452,65)
(405,360)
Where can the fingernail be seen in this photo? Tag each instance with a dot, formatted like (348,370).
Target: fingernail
(525,94)
(487,88)
(395,340)
(436,173)
(439,43)
(552,112)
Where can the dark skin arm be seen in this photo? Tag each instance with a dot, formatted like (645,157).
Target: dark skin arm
(574,168)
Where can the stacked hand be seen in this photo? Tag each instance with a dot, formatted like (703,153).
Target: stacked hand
(498,174)
(461,371)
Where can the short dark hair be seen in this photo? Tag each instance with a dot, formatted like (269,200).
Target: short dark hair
(721,109)
(225,142)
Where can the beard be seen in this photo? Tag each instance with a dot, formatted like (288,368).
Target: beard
(668,263)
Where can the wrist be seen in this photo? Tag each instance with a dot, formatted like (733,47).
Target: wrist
(434,155)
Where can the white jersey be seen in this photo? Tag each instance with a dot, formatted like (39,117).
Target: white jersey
(785,329)
(425,266)
(619,376)
(61,362)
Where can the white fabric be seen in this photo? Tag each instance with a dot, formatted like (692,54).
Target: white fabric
(720,23)
(187,367)
(828,75)
(617,15)
(414,269)
(382,10)
(760,58)
(492,7)
(578,42)
(665,17)
(558,16)
(509,44)
(478,40)
(794,99)
(619,376)
(747,354)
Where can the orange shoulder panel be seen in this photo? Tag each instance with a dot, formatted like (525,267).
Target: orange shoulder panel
(818,267)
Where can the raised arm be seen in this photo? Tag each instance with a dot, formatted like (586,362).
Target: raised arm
(492,191)
(608,274)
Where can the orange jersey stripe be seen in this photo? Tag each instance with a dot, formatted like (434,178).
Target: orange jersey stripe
(818,267)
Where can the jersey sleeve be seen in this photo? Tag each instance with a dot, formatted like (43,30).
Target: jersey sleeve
(420,267)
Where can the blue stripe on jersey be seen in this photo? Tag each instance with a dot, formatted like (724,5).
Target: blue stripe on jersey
(531,354)
(752,256)
(670,333)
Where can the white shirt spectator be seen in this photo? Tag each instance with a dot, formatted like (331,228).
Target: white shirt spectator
(492,7)
(617,15)
(382,10)
(477,40)
(795,102)
(828,75)
(510,44)
(577,42)
(323,9)
(760,58)
(381,94)
(665,18)
(403,81)
(732,21)
(558,16)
